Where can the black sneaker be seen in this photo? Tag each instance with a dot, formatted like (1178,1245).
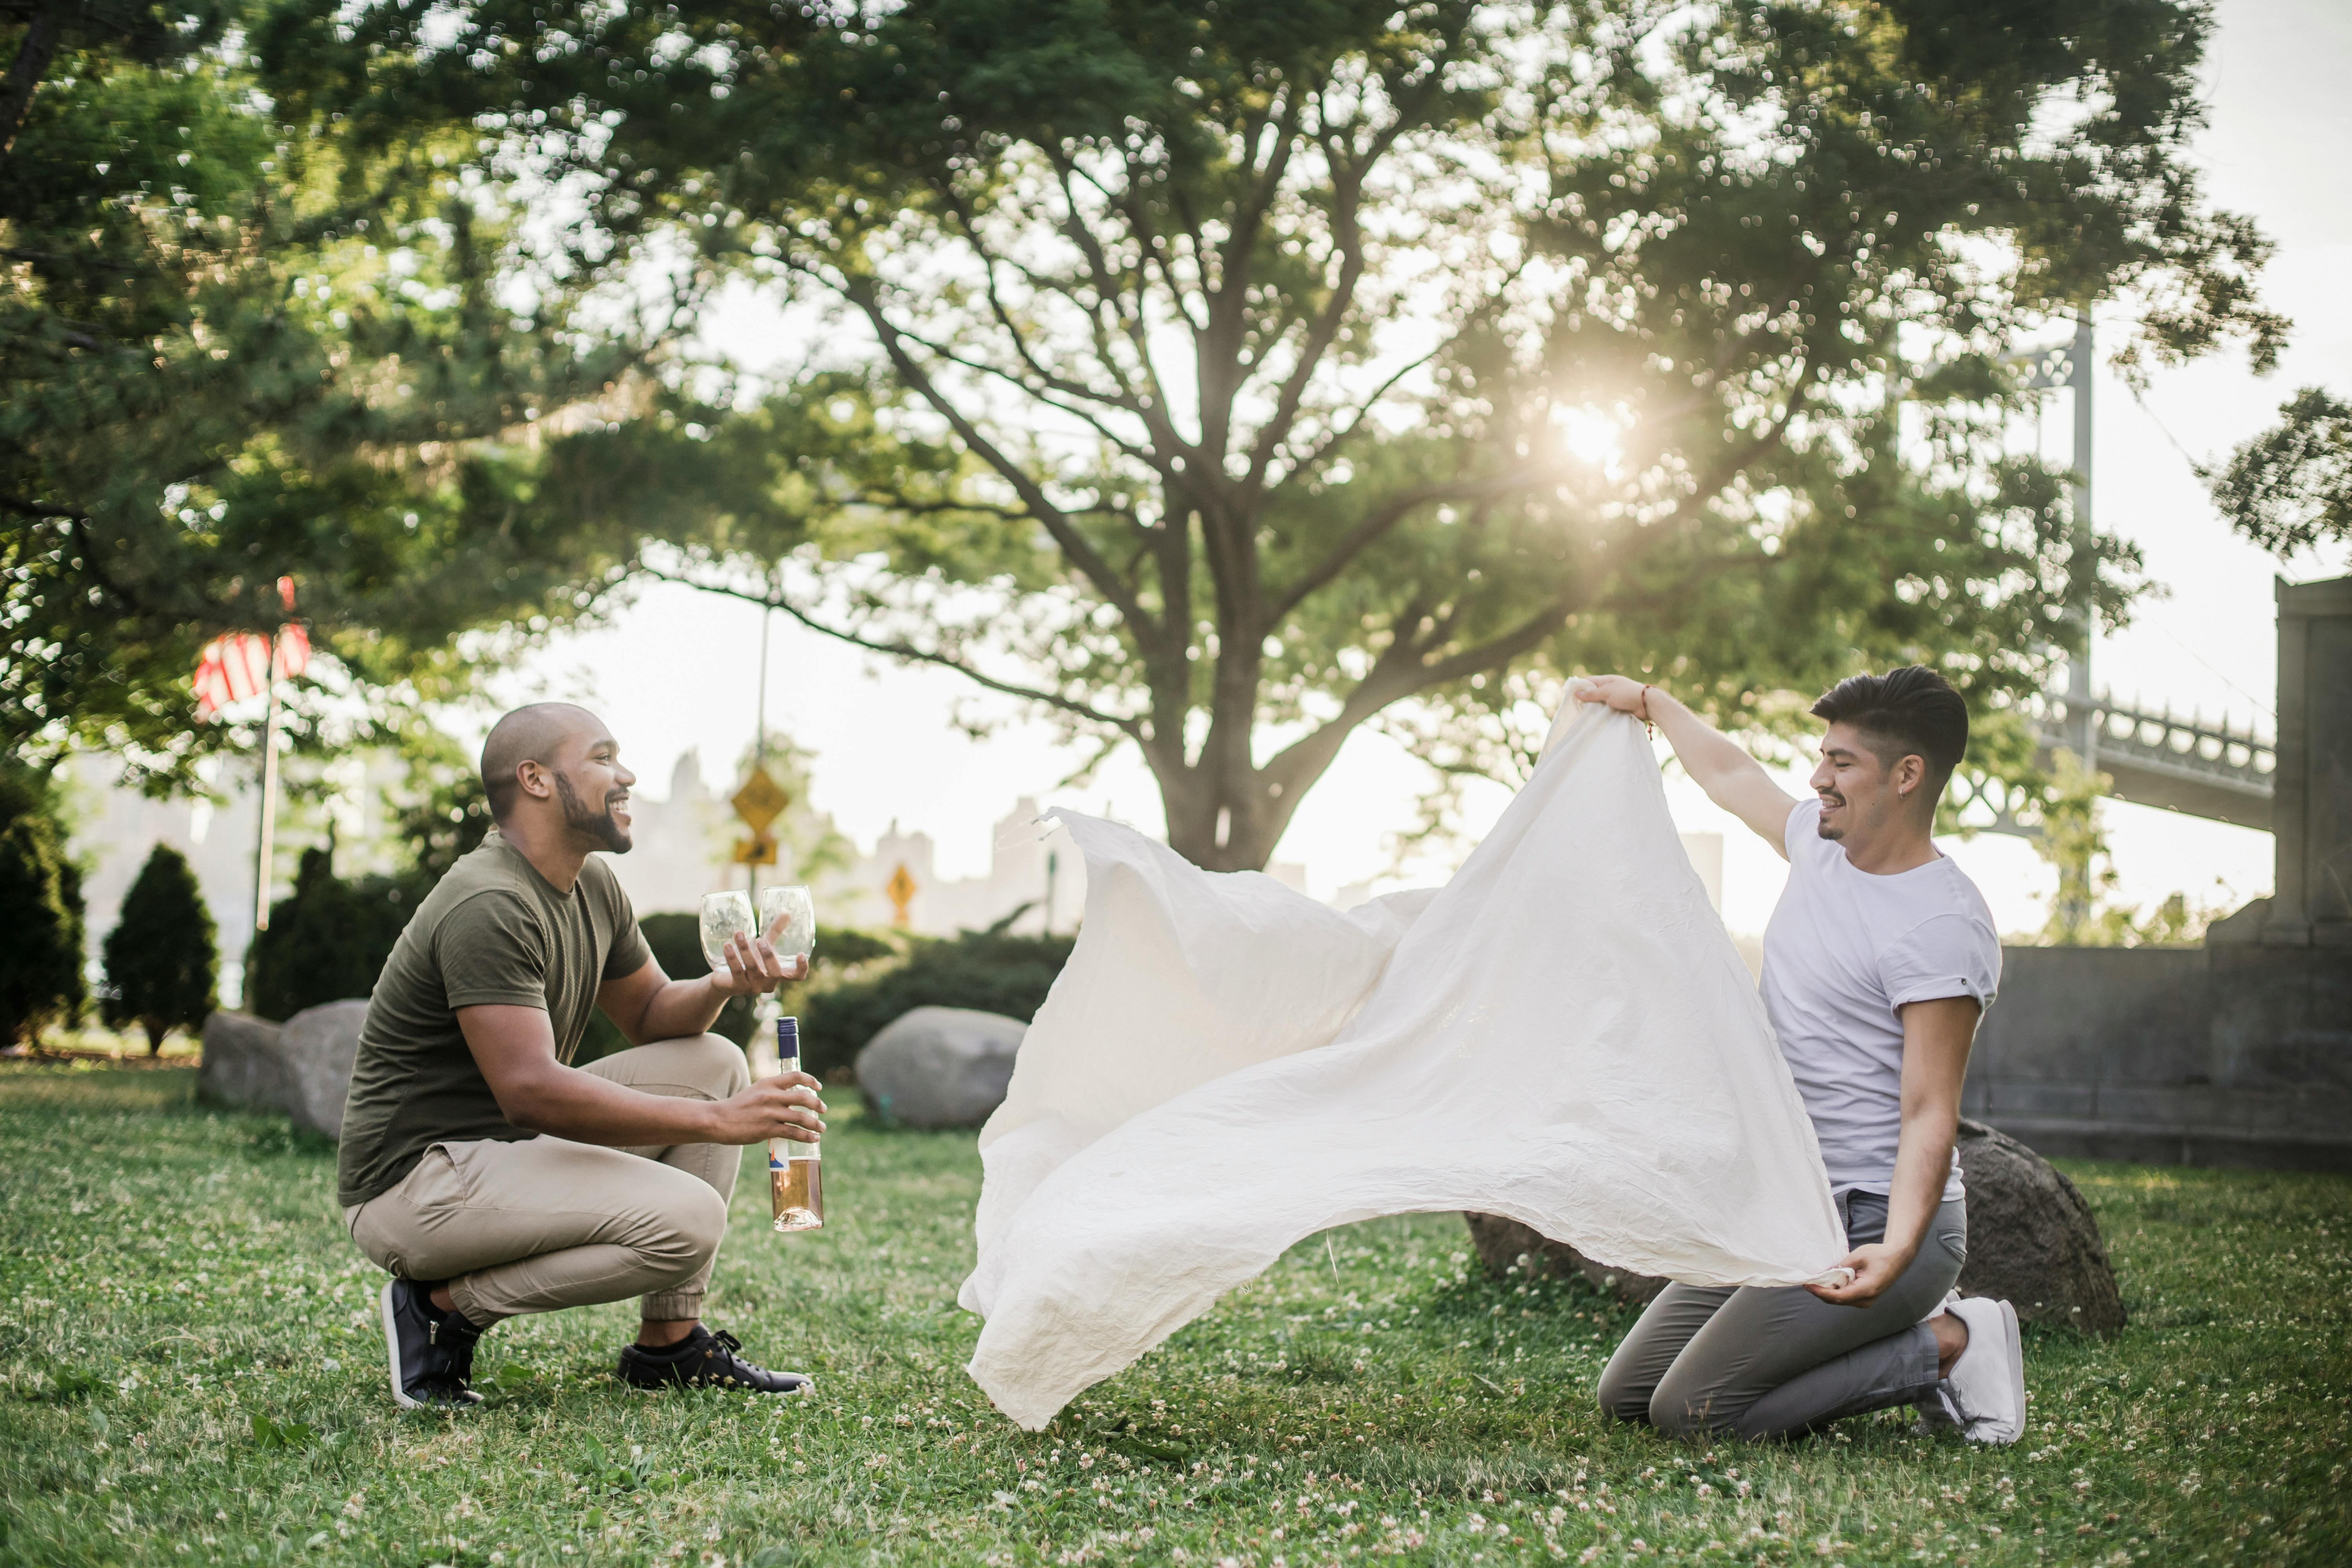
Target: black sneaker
(430,1351)
(704,1359)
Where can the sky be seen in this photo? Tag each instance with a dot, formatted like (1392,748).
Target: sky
(677,669)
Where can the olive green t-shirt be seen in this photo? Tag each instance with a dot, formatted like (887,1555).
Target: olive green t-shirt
(494,932)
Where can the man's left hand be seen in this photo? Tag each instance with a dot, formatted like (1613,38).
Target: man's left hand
(1875,1266)
(753,969)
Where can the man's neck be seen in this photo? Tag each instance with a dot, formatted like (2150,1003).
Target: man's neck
(1899,849)
(553,850)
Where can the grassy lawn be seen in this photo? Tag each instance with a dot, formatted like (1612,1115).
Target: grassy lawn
(192,1374)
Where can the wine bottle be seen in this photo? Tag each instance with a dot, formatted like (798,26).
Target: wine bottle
(795,1172)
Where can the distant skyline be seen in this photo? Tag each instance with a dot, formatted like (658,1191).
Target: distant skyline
(677,669)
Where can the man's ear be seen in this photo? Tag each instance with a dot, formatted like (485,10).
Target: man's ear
(535,779)
(1910,777)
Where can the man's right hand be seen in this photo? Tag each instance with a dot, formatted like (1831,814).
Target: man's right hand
(785,1106)
(1626,696)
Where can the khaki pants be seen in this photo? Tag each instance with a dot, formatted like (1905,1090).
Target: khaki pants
(1780,1363)
(544,1223)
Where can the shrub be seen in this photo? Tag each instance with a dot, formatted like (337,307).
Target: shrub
(160,961)
(677,943)
(41,979)
(328,940)
(990,970)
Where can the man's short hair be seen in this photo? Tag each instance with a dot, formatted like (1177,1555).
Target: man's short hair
(528,734)
(1907,712)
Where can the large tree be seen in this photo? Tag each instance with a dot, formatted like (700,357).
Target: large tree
(1222,378)
(237,345)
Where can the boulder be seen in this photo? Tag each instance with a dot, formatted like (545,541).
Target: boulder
(940,1067)
(2033,1240)
(303,1067)
(1503,1242)
(243,1068)
(319,1045)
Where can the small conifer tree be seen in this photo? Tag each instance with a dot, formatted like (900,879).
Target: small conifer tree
(161,957)
(40,913)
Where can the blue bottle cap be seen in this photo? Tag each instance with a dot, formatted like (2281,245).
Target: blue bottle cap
(788,1036)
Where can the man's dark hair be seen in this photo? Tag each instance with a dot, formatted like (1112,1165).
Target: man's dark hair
(1907,712)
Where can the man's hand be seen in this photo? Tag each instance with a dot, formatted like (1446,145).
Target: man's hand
(1732,779)
(1875,1266)
(785,1106)
(1624,695)
(753,969)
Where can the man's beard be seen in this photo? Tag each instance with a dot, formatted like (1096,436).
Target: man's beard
(1823,828)
(598,825)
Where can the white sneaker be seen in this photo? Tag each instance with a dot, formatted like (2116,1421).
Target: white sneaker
(1988,1382)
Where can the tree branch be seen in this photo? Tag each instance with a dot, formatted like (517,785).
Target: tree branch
(907,651)
(1365,533)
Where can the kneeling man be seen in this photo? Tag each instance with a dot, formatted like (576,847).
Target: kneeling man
(494,1179)
(1877,964)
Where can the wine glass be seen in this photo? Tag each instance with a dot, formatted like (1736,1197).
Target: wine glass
(723,915)
(788,917)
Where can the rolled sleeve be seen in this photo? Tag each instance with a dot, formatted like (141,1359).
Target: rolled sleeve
(1948,956)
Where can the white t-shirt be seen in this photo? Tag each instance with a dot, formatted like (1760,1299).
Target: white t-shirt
(1843,952)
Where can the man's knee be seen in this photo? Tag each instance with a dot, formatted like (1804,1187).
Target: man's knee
(712,1063)
(1680,1409)
(1621,1397)
(693,1223)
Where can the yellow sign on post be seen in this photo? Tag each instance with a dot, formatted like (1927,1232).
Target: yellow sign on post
(759,850)
(759,801)
(902,890)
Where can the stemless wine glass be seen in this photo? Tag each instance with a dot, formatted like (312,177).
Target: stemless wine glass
(723,915)
(788,916)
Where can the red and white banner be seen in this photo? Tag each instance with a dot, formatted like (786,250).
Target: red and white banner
(235,667)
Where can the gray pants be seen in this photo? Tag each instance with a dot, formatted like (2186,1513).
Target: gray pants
(1782,1361)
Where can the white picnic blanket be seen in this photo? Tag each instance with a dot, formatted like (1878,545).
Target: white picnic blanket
(1562,1033)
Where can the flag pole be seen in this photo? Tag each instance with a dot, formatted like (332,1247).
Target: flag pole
(268,804)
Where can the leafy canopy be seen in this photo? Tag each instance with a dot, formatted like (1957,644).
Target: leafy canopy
(237,344)
(1222,378)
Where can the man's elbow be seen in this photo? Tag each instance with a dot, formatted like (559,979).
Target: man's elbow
(533,1103)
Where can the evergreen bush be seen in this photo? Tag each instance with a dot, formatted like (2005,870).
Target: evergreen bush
(161,958)
(676,943)
(990,970)
(41,982)
(328,940)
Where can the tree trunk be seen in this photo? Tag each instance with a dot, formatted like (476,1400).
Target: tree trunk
(25,71)
(156,1029)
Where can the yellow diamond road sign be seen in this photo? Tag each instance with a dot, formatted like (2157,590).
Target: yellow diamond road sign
(760,801)
(901,888)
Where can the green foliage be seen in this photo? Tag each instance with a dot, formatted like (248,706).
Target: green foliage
(2290,489)
(148,1236)
(445,813)
(41,983)
(326,940)
(1222,380)
(237,344)
(993,970)
(676,943)
(161,960)
(2082,912)
(270,1433)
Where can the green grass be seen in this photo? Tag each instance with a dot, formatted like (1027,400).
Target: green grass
(191,1376)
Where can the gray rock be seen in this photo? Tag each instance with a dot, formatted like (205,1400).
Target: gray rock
(1501,1243)
(2033,1240)
(303,1067)
(243,1068)
(940,1067)
(319,1045)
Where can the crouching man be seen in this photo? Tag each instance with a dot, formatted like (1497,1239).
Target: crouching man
(491,1177)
